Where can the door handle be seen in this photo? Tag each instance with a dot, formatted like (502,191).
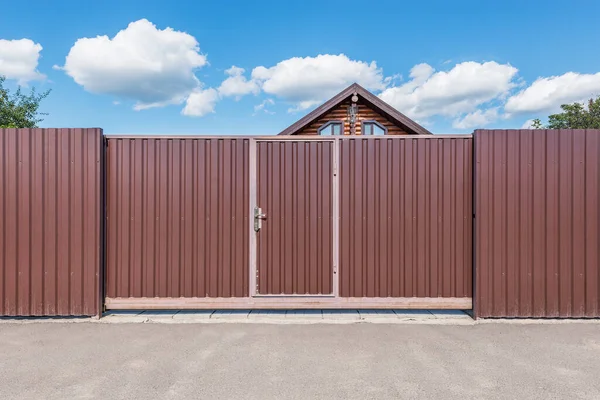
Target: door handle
(258,218)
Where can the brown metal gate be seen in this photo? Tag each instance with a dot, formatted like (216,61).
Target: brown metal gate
(294,217)
(406,218)
(386,226)
(176,218)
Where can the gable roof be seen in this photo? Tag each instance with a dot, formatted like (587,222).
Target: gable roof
(373,101)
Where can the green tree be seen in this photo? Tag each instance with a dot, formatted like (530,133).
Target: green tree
(574,116)
(537,124)
(19,110)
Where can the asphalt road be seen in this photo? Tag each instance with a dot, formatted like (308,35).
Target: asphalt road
(249,361)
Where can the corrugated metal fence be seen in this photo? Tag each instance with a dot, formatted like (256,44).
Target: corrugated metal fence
(406,214)
(180,223)
(537,223)
(51,229)
(177,215)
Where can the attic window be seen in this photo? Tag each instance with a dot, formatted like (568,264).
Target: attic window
(373,128)
(331,128)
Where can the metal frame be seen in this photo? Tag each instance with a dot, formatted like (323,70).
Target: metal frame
(327,124)
(475,305)
(253,202)
(101,285)
(287,302)
(336,217)
(252,242)
(372,121)
(287,137)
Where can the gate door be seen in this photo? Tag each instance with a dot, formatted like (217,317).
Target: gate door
(293,217)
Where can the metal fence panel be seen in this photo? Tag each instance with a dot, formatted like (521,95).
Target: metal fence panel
(537,223)
(177,217)
(51,227)
(406,217)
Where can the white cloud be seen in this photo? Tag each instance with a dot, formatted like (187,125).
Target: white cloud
(452,93)
(547,94)
(237,85)
(19,60)
(151,66)
(263,106)
(478,118)
(308,81)
(201,102)
(234,71)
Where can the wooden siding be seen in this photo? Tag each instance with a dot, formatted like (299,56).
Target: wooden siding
(340,113)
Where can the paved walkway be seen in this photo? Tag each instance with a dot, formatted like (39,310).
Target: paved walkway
(289,316)
(316,361)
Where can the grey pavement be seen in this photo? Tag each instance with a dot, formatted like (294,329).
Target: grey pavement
(316,361)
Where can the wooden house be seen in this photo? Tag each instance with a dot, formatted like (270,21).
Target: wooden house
(355,111)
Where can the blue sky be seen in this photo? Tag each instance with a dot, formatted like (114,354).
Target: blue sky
(452,66)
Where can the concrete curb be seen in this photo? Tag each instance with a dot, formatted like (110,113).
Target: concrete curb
(291,317)
(284,317)
(390,321)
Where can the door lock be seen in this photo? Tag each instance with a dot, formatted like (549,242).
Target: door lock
(258,218)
